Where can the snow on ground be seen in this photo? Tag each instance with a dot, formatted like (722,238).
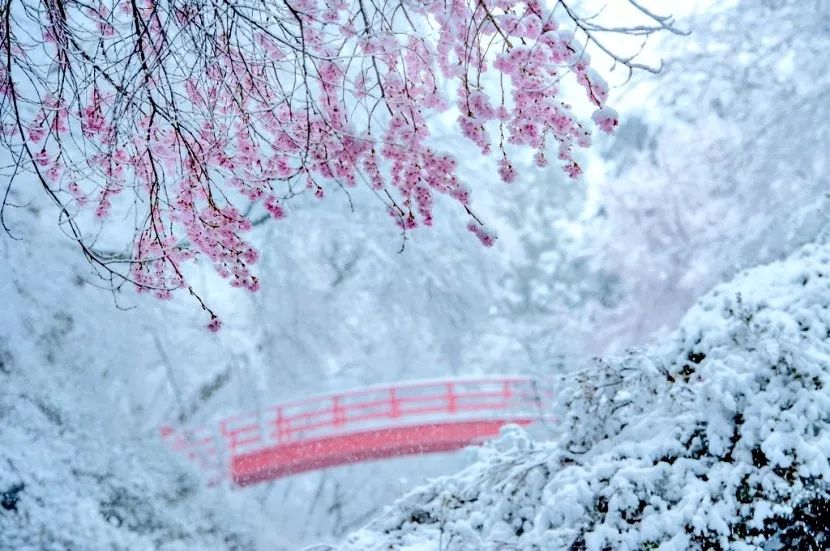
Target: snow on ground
(718,439)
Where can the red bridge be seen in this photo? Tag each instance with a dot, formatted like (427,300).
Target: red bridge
(359,425)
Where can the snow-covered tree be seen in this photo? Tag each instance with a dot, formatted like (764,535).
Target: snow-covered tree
(554,287)
(728,170)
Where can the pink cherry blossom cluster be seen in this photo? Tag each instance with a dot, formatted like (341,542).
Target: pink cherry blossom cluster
(487,237)
(199,115)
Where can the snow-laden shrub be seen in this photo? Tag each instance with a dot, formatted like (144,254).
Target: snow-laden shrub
(68,481)
(717,440)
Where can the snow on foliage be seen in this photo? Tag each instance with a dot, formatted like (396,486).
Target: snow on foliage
(718,439)
(72,477)
(66,484)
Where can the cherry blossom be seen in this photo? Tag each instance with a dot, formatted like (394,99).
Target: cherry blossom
(202,114)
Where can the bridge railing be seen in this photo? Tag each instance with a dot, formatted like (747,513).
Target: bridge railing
(356,410)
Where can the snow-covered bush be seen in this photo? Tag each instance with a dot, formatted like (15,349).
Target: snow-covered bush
(718,439)
(69,481)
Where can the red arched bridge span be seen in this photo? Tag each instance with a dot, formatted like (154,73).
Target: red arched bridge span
(358,425)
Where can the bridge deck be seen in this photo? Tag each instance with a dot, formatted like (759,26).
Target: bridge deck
(297,457)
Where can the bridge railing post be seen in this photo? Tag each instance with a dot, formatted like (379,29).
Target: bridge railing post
(452,398)
(279,426)
(338,414)
(507,393)
(229,436)
(394,403)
